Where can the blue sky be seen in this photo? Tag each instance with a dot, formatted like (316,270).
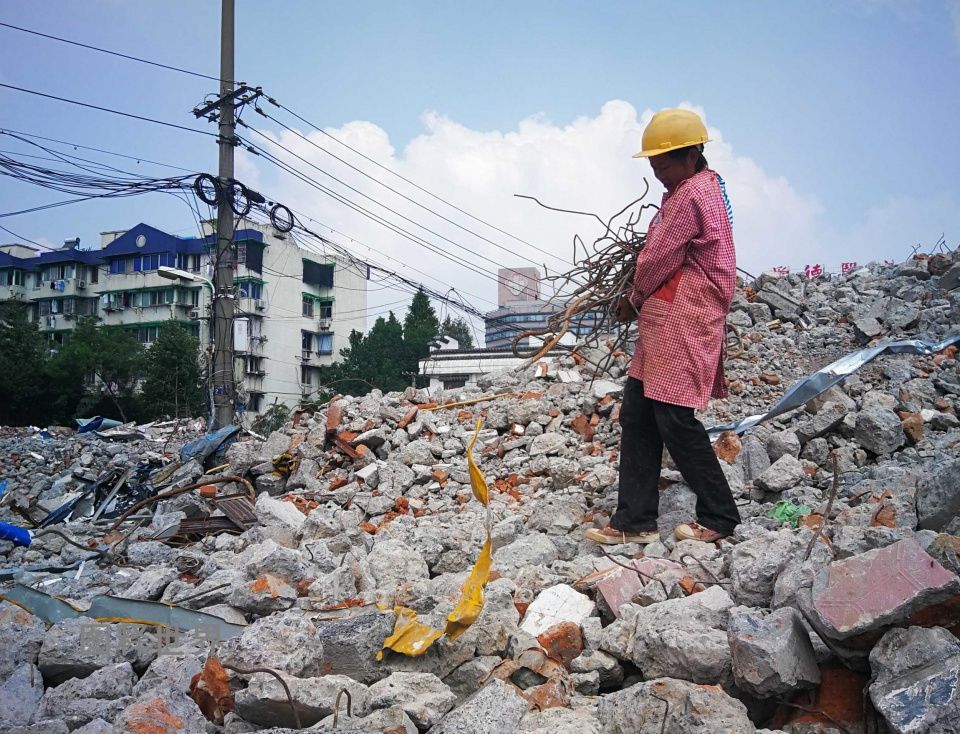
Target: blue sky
(850,106)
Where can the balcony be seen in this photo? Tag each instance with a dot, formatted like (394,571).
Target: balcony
(13,293)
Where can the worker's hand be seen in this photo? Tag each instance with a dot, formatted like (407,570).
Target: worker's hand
(625,310)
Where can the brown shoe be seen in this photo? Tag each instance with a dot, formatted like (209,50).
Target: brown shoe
(695,531)
(612,536)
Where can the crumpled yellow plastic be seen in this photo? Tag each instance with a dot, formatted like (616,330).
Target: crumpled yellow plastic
(471,597)
(410,637)
(477,483)
(414,638)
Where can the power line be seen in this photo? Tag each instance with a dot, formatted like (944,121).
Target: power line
(396,229)
(394,173)
(114,53)
(107,109)
(138,159)
(404,196)
(367,196)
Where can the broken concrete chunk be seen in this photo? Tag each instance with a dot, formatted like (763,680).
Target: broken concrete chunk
(916,683)
(547,444)
(77,647)
(104,693)
(349,646)
(756,563)
(272,511)
(423,696)
(785,473)
(671,705)
(560,721)
(264,700)
(879,430)
(494,709)
(938,498)
(161,710)
(21,636)
(685,637)
(20,695)
(827,418)
(264,595)
(288,642)
(877,589)
(771,654)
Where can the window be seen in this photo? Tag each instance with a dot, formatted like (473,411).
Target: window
(306,340)
(152,298)
(317,274)
(118,266)
(186,262)
(193,297)
(254,401)
(5,277)
(324,343)
(250,290)
(147,334)
(306,376)
(308,307)
(325,310)
(94,274)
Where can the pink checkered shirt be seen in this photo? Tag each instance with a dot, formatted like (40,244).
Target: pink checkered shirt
(682,290)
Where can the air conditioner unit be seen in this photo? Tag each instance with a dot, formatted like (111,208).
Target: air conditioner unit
(305,355)
(81,285)
(195,313)
(261,305)
(325,324)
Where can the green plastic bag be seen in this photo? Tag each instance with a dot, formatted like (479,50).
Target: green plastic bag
(786,511)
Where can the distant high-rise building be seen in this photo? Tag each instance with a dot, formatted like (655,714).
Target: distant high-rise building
(520,309)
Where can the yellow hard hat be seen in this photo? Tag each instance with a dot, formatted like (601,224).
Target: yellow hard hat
(671,129)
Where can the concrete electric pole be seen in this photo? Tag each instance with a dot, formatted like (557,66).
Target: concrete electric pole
(224,389)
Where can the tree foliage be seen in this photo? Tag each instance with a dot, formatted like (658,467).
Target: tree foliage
(387,357)
(173,381)
(97,370)
(22,367)
(458,329)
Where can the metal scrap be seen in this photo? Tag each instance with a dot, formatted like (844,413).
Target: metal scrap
(104,608)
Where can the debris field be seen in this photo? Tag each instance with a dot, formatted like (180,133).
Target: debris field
(352,572)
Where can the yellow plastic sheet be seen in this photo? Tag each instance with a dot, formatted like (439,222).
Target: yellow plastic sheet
(471,597)
(414,638)
(410,637)
(477,483)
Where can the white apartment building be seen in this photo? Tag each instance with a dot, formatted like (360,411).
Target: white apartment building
(294,310)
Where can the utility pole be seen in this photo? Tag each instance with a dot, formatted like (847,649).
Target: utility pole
(224,389)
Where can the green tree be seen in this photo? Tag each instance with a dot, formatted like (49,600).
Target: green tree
(23,392)
(420,327)
(97,370)
(458,329)
(372,360)
(173,384)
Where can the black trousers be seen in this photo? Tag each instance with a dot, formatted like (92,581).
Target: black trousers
(646,427)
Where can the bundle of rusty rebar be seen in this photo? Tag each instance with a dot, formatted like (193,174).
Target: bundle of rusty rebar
(591,291)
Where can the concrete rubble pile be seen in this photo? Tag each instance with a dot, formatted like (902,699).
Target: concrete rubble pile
(839,616)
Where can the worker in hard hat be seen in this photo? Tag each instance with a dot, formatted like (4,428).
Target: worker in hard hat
(681,295)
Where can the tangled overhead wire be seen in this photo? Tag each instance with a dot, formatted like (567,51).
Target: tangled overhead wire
(92,184)
(587,296)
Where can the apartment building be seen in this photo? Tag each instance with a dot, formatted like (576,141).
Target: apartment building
(294,307)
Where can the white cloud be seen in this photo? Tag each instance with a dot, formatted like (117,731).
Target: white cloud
(585,165)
